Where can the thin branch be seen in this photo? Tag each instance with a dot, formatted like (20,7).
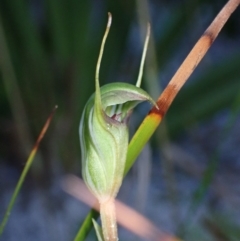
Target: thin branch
(194,57)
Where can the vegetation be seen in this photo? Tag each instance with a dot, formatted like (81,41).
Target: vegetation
(49,57)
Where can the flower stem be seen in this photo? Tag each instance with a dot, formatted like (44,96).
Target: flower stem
(108,218)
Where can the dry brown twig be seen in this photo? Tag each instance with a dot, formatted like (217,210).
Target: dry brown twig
(195,56)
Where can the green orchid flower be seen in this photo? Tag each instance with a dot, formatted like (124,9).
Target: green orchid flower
(104,139)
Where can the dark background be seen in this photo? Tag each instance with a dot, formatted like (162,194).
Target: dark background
(48,55)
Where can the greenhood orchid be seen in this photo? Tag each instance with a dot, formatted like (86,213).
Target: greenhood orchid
(104,139)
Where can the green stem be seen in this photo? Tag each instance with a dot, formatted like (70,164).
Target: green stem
(24,172)
(85,227)
(109,221)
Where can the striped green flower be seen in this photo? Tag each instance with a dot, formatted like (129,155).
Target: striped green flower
(104,136)
(104,140)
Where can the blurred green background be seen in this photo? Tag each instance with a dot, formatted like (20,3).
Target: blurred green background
(48,55)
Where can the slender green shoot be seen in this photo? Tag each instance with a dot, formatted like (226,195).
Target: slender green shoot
(25,171)
(139,80)
(81,235)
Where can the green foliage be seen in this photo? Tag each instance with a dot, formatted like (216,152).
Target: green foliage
(52,50)
(98,230)
(24,173)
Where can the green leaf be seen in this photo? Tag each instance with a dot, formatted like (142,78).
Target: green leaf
(98,230)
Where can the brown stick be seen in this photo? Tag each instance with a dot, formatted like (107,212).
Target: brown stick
(194,57)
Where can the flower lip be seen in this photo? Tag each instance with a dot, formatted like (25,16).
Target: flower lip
(118,99)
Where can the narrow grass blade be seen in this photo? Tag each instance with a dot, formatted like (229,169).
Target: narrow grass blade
(153,119)
(87,225)
(25,171)
(98,230)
